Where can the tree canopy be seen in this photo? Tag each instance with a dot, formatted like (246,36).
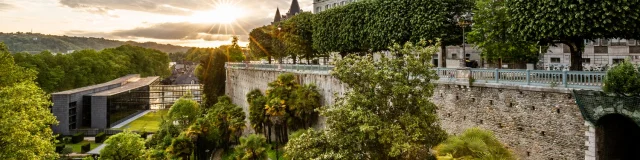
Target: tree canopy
(491,34)
(184,111)
(571,22)
(252,147)
(24,108)
(57,72)
(623,79)
(124,145)
(386,113)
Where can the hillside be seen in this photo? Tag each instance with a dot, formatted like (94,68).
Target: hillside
(35,43)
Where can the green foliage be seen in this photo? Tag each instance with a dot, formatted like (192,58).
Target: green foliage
(307,100)
(280,94)
(373,25)
(573,21)
(124,145)
(77,138)
(297,34)
(181,147)
(308,144)
(100,137)
(491,34)
(184,111)
(261,43)
(24,108)
(234,51)
(623,79)
(211,72)
(227,121)
(474,143)
(252,147)
(257,115)
(36,42)
(386,113)
(87,67)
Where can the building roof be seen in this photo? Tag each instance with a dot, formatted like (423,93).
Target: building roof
(133,83)
(278,16)
(294,9)
(120,81)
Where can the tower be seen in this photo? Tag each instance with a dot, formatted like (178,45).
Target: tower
(277,17)
(294,9)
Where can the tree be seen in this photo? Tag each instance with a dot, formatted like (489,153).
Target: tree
(572,22)
(260,43)
(181,147)
(234,52)
(257,115)
(307,100)
(386,114)
(474,143)
(252,147)
(227,119)
(310,144)
(279,98)
(24,108)
(125,145)
(212,74)
(491,34)
(184,111)
(297,36)
(623,79)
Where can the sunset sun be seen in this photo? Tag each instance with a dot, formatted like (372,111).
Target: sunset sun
(223,13)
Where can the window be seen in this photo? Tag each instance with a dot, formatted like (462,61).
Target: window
(632,42)
(618,42)
(454,56)
(617,60)
(635,57)
(604,42)
(342,3)
(327,7)
(586,60)
(600,49)
(555,60)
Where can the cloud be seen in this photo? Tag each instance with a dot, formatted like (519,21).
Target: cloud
(5,6)
(182,7)
(181,31)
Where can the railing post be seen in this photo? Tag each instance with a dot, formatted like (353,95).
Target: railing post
(438,72)
(564,78)
(497,76)
(528,77)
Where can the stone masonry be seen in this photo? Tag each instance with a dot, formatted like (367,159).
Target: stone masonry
(536,123)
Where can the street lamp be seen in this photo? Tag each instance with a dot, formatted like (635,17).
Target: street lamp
(279,47)
(464,21)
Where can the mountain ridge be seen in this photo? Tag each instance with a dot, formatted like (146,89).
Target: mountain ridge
(37,42)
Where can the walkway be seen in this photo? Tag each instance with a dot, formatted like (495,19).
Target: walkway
(123,123)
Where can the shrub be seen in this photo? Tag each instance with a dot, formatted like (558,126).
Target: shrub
(144,135)
(100,137)
(59,147)
(77,138)
(622,79)
(85,148)
(474,143)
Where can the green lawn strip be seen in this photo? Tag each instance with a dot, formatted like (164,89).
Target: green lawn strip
(150,122)
(76,147)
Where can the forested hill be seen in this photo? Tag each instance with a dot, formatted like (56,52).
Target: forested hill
(35,43)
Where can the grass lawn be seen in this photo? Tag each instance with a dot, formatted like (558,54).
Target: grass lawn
(76,147)
(150,122)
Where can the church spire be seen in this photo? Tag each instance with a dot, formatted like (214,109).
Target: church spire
(278,16)
(294,9)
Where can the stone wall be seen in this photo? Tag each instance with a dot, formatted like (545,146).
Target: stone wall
(535,123)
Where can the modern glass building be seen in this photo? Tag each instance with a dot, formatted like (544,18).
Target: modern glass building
(105,105)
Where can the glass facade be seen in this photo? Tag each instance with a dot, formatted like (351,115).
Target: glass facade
(163,96)
(122,105)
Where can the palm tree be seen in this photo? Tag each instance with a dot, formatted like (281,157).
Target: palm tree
(252,147)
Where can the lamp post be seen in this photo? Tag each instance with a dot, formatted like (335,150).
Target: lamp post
(464,21)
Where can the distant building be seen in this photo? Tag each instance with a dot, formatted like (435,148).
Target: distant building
(105,105)
(597,55)
(293,10)
(322,5)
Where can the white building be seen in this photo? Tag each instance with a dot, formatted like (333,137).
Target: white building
(322,5)
(598,54)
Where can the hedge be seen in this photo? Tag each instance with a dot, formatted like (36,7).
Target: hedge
(77,138)
(85,148)
(100,137)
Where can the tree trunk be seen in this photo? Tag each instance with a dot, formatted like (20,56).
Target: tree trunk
(269,59)
(442,57)
(294,59)
(576,45)
(269,134)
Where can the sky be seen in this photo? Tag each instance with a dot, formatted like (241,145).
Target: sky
(196,23)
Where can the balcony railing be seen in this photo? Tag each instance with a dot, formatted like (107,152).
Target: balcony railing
(559,79)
